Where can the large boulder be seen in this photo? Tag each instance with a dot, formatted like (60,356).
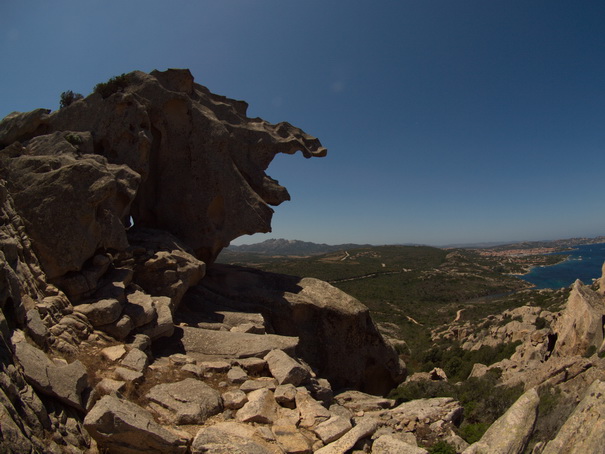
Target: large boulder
(163,265)
(189,401)
(337,335)
(72,204)
(66,383)
(581,325)
(201,158)
(121,426)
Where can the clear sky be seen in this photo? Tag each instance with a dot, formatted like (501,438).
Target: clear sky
(446,121)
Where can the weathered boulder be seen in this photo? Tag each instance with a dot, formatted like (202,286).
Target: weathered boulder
(429,410)
(258,383)
(584,430)
(312,412)
(510,433)
(136,360)
(286,369)
(237,375)
(333,428)
(285,395)
(163,265)
(234,400)
(22,125)
(358,401)
(201,158)
(63,382)
(581,325)
(289,438)
(227,438)
(162,325)
(388,444)
(101,312)
(365,428)
(337,336)
(72,205)
(140,309)
(189,401)
(121,426)
(261,407)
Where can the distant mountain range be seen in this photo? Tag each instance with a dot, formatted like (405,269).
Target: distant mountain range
(291,247)
(306,248)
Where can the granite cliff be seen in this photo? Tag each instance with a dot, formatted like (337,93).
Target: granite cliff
(127,338)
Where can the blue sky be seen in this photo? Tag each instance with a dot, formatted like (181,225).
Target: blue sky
(446,121)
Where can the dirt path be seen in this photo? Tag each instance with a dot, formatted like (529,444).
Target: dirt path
(458,314)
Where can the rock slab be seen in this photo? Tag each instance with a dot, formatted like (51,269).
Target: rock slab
(120,426)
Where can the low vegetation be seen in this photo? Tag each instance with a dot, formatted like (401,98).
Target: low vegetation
(68,97)
(483,399)
(113,85)
(417,288)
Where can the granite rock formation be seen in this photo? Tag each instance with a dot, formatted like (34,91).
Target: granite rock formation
(85,295)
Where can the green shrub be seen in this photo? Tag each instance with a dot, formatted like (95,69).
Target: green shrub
(549,400)
(68,97)
(541,323)
(73,139)
(473,432)
(113,85)
(442,447)
(590,351)
(422,389)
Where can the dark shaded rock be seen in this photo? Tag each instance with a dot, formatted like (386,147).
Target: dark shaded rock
(71,205)
(202,160)
(163,265)
(63,382)
(337,336)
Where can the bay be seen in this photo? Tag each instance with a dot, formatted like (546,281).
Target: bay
(585,263)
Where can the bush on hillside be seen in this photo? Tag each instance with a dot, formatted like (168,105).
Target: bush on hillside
(68,97)
(483,399)
(113,85)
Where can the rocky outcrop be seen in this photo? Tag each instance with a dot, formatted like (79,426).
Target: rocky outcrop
(581,325)
(72,205)
(337,336)
(201,159)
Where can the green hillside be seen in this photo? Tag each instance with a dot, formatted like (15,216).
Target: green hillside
(413,288)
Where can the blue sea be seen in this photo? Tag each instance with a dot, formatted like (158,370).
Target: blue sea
(584,263)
